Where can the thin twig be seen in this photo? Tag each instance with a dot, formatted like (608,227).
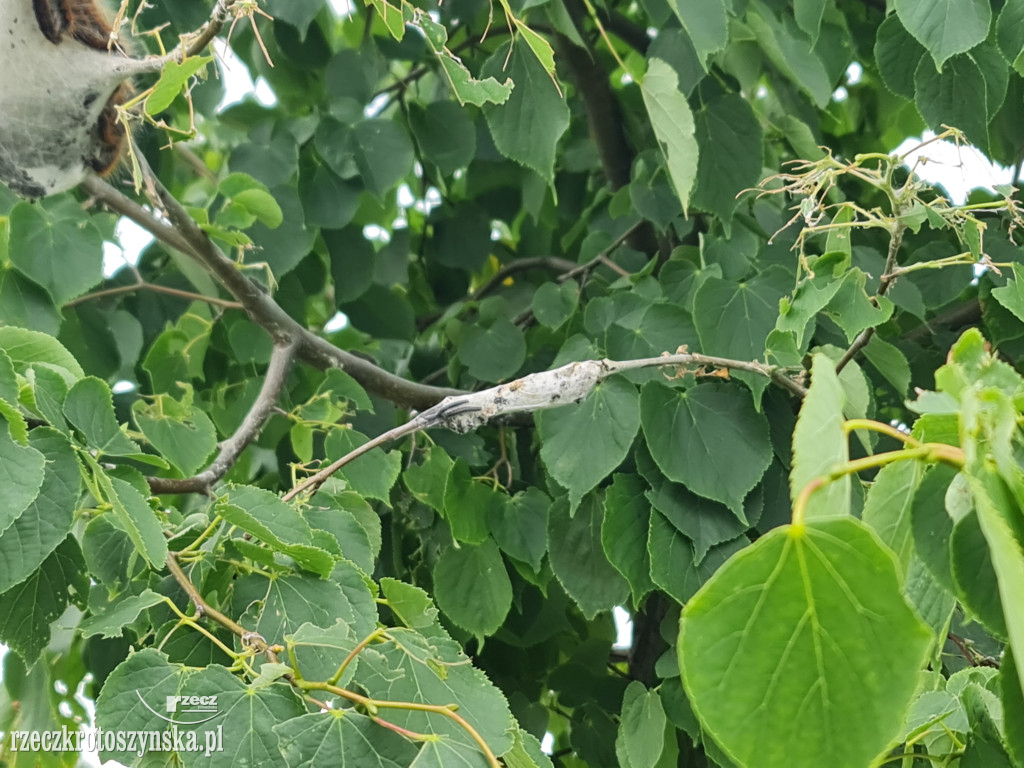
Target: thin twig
(154,288)
(202,607)
(887,279)
(534,392)
(602,257)
(313,482)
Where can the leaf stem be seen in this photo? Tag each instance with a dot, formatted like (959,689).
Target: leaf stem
(333,679)
(885,429)
(927,452)
(374,704)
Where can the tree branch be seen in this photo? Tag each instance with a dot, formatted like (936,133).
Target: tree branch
(604,118)
(281,361)
(141,285)
(185,235)
(534,392)
(968,313)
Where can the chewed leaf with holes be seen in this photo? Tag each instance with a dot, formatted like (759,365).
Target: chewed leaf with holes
(806,639)
(412,668)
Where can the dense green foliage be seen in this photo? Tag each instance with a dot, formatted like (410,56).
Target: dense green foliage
(814,515)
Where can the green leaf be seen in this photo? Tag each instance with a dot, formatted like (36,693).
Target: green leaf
(319,652)
(788,49)
(520,525)
(624,533)
(8,382)
(951,97)
(1011,295)
(410,604)
(659,328)
(416,670)
(181,432)
(705,523)
(426,481)
(707,25)
(853,310)
(553,304)
(493,353)
(275,523)
(278,607)
(776,652)
(931,526)
(109,553)
(472,587)
(41,239)
(673,126)
(469,503)
(809,14)
(352,523)
(526,753)
(262,205)
(371,475)
(174,79)
(527,127)
(976,585)
(342,738)
(641,726)
(47,520)
(90,407)
(22,470)
(137,518)
(889,361)
(383,153)
(735,318)
(810,297)
(25,347)
(946,27)
(578,558)
(731,148)
(1012,695)
(27,609)
(1010,34)
(606,422)
(283,247)
(299,13)
(674,563)
(445,133)
(122,611)
(134,699)
(887,508)
(820,445)
(709,438)
(467,89)
(994,505)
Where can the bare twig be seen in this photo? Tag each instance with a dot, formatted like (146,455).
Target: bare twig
(281,361)
(196,43)
(553,263)
(582,271)
(141,285)
(602,257)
